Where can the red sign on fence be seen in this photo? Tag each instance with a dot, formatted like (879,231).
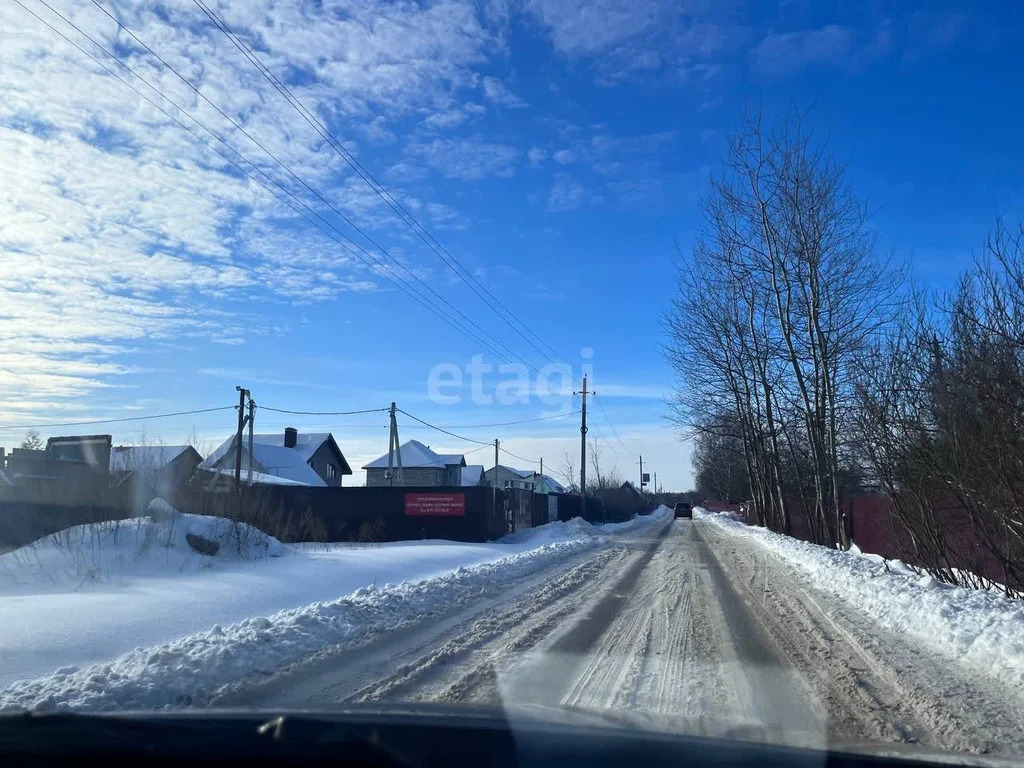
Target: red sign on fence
(439,504)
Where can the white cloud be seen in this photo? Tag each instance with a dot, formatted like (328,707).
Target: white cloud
(495,91)
(536,156)
(639,39)
(119,231)
(454,117)
(568,194)
(467,159)
(782,53)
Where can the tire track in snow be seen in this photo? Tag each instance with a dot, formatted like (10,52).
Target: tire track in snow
(866,682)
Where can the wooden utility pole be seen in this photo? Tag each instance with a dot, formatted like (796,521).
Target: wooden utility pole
(583,448)
(494,483)
(242,394)
(641,474)
(394,448)
(252,415)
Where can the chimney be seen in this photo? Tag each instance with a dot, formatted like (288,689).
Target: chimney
(291,436)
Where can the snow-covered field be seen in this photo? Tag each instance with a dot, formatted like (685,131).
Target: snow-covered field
(982,629)
(130,616)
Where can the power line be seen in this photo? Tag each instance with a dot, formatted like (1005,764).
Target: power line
(511,423)
(517,456)
(295,176)
(396,206)
(441,429)
(119,420)
(381,268)
(322,413)
(615,432)
(384,270)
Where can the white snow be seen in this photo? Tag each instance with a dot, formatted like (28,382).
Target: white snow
(158,625)
(416,454)
(125,458)
(982,629)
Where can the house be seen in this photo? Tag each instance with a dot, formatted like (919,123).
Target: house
(420,466)
(508,477)
(526,479)
(548,484)
(631,490)
(472,474)
(153,470)
(70,470)
(282,458)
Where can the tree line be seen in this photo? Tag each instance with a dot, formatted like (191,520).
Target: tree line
(810,367)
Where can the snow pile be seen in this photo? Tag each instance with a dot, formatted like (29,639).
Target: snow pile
(163,541)
(577,527)
(191,670)
(982,629)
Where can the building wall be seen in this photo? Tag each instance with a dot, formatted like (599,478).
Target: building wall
(429,476)
(504,475)
(325,455)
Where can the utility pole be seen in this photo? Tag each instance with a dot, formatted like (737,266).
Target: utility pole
(242,419)
(252,414)
(542,467)
(583,448)
(394,448)
(641,474)
(656,491)
(242,394)
(494,484)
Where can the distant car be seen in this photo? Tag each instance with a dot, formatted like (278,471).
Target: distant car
(683,509)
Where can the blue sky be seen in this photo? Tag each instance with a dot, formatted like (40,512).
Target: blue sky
(557,149)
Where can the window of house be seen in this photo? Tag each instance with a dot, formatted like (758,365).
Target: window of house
(332,472)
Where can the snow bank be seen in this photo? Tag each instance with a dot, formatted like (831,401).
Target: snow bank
(118,550)
(982,629)
(577,527)
(190,670)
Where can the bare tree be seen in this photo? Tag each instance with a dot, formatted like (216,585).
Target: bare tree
(32,441)
(567,471)
(781,295)
(942,411)
(600,478)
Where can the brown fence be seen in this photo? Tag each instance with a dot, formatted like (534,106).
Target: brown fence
(296,513)
(877,529)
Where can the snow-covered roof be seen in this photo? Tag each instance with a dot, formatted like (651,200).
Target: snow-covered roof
(306,444)
(524,473)
(126,458)
(552,483)
(416,454)
(271,459)
(261,478)
(471,474)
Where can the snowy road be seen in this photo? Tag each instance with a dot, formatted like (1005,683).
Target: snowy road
(689,627)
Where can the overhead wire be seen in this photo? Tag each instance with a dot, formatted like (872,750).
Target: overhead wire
(615,432)
(120,419)
(441,429)
(517,456)
(396,206)
(511,423)
(321,413)
(318,126)
(384,270)
(295,176)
